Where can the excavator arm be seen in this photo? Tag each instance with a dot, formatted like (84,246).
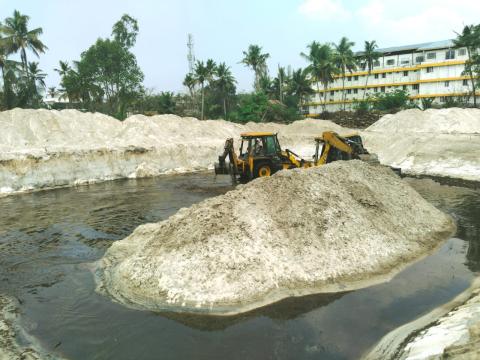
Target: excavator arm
(221,167)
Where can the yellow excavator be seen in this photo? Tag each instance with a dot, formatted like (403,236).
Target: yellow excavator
(261,155)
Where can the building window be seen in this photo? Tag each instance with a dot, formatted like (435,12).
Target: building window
(376,63)
(405,73)
(384,75)
(349,91)
(404,87)
(462,52)
(355,77)
(450,54)
(355,91)
(431,56)
(332,92)
(429,69)
(390,61)
(447,83)
(382,89)
(443,99)
(465,82)
(419,59)
(376,76)
(405,62)
(416,86)
(375,89)
(349,78)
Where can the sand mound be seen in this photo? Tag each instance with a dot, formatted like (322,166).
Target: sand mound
(451,331)
(48,148)
(433,142)
(300,231)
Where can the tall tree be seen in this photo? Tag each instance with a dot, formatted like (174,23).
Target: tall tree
(63,68)
(300,85)
(18,38)
(201,77)
(225,82)
(368,58)
(189,83)
(125,31)
(321,66)
(470,39)
(345,61)
(255,59)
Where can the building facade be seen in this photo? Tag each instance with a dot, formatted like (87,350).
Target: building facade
(430,70)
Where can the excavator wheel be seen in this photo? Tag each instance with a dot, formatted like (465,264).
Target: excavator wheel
(262,169)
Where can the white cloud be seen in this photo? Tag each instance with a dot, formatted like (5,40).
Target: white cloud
(413,21)
(324,10)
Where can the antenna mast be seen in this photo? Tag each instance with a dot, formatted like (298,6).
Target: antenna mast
(190,55)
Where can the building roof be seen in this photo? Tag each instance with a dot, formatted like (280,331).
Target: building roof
(415,47)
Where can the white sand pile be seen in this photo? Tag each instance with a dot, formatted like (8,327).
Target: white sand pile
(298,232)
(433,142)
(48,148)
(451,331)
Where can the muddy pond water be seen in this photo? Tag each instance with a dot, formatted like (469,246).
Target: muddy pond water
(49,239)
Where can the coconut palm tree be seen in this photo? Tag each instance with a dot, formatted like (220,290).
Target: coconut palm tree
(345,61)
(37,77)
(52,91)
(201,77)
(300,85)
(254,59)
(369,56)
(63,68)
(469,39)
(321,68)
(189,83)
(225,83)
(18,38)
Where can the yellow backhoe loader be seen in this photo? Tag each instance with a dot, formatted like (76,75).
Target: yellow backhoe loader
(261,155)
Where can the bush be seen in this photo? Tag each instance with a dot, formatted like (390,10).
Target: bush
(362,107)
(392,101)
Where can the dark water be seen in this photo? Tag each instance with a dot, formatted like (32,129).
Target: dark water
(48,240)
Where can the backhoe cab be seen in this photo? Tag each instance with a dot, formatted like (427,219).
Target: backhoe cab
(260,155)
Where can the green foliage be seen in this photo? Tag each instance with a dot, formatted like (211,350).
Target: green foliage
(107,77)
(250,107)
(391,101)
(257,61)
(363,106)
(163,103)
(257,107)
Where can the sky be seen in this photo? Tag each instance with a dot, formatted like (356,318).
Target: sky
(222,29)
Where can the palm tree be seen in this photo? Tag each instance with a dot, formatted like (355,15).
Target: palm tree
(254,58)
(63,68)
(19,38)
(469,39)
(345,61)
(189,83)
(225,83)
(201,77)
(37,76)
(321,68)
(300,85)
(52,91)
(368,59)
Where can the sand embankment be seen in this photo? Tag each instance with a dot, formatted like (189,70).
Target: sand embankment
(451,331)
(434,142)
(324,229)
(48,148)
(11,332)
